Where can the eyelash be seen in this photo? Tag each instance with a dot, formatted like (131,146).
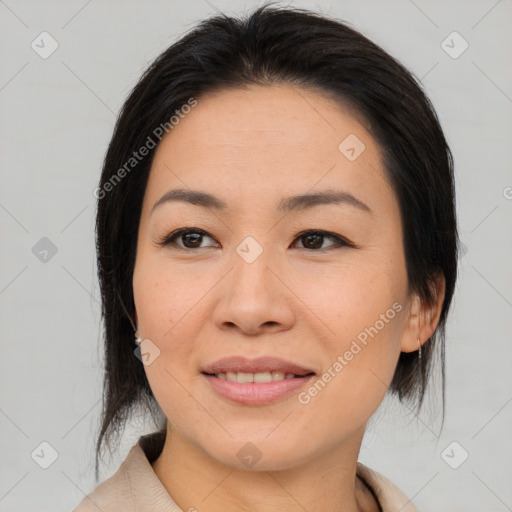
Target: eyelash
(340,241)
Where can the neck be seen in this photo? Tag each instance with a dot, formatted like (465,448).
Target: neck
(196,481)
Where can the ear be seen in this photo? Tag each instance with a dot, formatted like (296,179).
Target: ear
(423,318)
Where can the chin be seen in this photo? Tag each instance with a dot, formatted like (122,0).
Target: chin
(257,453)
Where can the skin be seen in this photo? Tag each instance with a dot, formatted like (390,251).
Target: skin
(250,148)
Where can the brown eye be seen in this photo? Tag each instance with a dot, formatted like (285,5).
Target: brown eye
(315,240)
(194,238)
(188,238)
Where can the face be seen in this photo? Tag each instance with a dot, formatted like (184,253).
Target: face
(317,281)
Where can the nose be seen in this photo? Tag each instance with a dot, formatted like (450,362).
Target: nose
(253,300)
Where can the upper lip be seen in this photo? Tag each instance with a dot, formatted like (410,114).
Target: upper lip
(258,365)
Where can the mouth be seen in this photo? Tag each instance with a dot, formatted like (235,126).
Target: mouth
(255,381)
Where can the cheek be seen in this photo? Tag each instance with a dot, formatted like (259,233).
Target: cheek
(362,310)
(171,314)
(356,377)
(167,299)
(351,299)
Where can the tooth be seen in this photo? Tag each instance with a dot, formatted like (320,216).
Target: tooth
(243,377)
(262,377)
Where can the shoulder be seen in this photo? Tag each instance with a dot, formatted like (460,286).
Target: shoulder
(389,496)
(109,494)
(134,486)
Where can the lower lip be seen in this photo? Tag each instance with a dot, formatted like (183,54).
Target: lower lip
(256,393)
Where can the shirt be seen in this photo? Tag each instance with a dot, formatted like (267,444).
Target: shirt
(135,487)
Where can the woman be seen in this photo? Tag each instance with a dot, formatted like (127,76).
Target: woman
(277,250)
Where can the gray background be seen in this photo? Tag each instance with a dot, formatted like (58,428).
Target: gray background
(57,118)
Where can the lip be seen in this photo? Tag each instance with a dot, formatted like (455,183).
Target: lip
(260,364)
(256,393)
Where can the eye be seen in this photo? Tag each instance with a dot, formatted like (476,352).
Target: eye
(191,238)
(315,239)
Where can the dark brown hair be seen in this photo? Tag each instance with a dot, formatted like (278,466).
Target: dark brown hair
(277,45)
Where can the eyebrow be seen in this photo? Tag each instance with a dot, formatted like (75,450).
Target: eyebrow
(299,202)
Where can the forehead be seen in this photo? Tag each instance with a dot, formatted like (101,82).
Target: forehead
(269,139)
